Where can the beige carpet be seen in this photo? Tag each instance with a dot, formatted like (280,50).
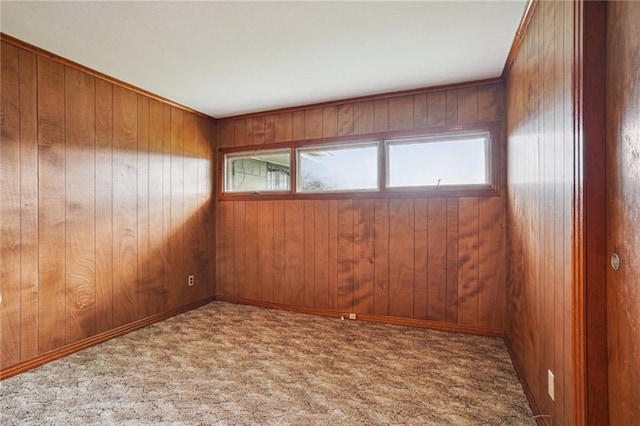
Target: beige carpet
(237,365)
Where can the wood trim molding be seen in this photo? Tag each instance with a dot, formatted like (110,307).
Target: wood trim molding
(540,418)
(39,51)
(98,338)
(517,40)
(382,319)
(387,95)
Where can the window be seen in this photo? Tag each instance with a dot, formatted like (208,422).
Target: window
(348,167)
(450,161)
(439,160)
(258,171)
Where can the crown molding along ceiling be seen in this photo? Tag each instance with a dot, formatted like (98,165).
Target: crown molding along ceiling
(230,58)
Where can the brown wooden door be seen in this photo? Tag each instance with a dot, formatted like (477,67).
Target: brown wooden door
(623,210)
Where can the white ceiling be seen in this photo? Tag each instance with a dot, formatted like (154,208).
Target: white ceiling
(229,58)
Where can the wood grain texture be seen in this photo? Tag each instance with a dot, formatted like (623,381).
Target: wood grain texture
(51,200)
(10,163)
(623,168)
(158,286)
(401,247)
(363,252)
(125,241)
(397,257)
(540,137)
(251,251)
(28,205)
(345,255)
(265,247)
(80,206)
(86,206)
(309,252)
(104,206)
(468,241)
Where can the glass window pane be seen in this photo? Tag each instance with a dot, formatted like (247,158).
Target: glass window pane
(343,168)
(258,171)
(438,161)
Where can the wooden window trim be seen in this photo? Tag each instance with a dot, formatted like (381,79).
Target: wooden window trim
(489,190)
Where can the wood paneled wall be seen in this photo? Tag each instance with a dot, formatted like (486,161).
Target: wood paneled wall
(105,205)
(540,146)
(623,209)
(438,259)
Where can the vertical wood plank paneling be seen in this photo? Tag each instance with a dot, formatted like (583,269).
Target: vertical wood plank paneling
(363,117)
(468,105)
(309,253)
(420,111)
(329,122)
(297,125)
(226,131)
(540,175)
(421,262)
(342,264)
(144,282)
(269,129)
(468,242)
(452,260)
(240,133)
(381,256)
(51,202)
(313,123)
(76,203)
(80,205)
(278,251)
(10,324)
(266,251)
(283,127)
(178,275)
(191,231)
(491,255)
(239,248)
(333,254)
(490,102)
(157,291)
(258,130)
(345,255)
(104,205)
(167,230)
(363,254)
(226,249)
(28,205)
(381,115)
(321,254)
(401,113)
(125,242)
(345,119)
(436,109)
(401,252)
(452,107)
(294,253)
(251,241)
(437,263)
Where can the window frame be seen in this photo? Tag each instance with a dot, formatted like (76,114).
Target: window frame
(492,188)
(247,153)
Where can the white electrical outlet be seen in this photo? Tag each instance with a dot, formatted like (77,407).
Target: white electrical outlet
(190,281)
(550,385)
(352,316)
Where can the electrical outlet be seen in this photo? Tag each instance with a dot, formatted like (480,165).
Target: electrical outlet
(352,316)
(550,385)
(190,281)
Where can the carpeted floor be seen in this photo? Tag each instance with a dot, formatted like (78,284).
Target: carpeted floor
(239,365)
